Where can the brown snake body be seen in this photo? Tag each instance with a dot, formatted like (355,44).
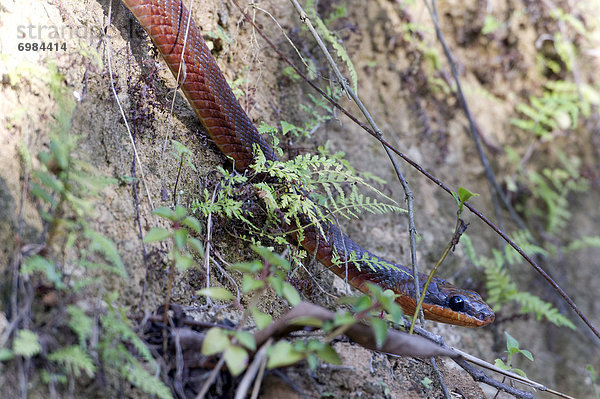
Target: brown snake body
(234,133)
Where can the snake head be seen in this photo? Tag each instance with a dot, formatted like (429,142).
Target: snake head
(448,304)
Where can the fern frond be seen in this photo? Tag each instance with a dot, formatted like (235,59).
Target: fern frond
(117,327)
(533,304)
(150,384)
(80,323)
(499,285)
(339,49)
(75,360)
(524,240)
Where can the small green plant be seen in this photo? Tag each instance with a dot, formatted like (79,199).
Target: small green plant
(491,25)
(317,113)
(77,261)
(512,348)
(426,382)
(182,224)
(237,87)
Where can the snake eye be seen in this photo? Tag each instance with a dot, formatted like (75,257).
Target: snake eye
(456,303)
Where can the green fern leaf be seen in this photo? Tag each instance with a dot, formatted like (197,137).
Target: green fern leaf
(75,360)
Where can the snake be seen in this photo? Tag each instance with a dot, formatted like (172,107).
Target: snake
(187,55)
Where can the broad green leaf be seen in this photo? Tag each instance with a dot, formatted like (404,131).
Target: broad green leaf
(291,294)
(282,354)
(380,330)
(342,319)
(183,261)
(219,293)
(520,372)
(312,360)
(156,234)
(329,355)
(375,289)
(364,302)
(465,194)
(427,382)
(246,339)
(164,212)
(236,358)
(527,354)
(500,364)
(180,237)
(386,298)
(511,343)
(313,345)
(249,283)
(196,245)
(395,313)
(180,212)
(277,284)
(215,341)
(261,319)
(271,257)
(193,224)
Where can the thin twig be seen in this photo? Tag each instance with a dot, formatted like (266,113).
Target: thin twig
(259,378)
(440,377)
(227,275)
(480,376)
(122,112)
(211,378)
(137,201)
(207,245)
(167,303)
(252,370)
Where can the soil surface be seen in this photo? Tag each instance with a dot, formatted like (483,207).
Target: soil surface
(422,119)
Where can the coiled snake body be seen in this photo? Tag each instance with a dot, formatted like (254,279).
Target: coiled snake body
(232,131)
